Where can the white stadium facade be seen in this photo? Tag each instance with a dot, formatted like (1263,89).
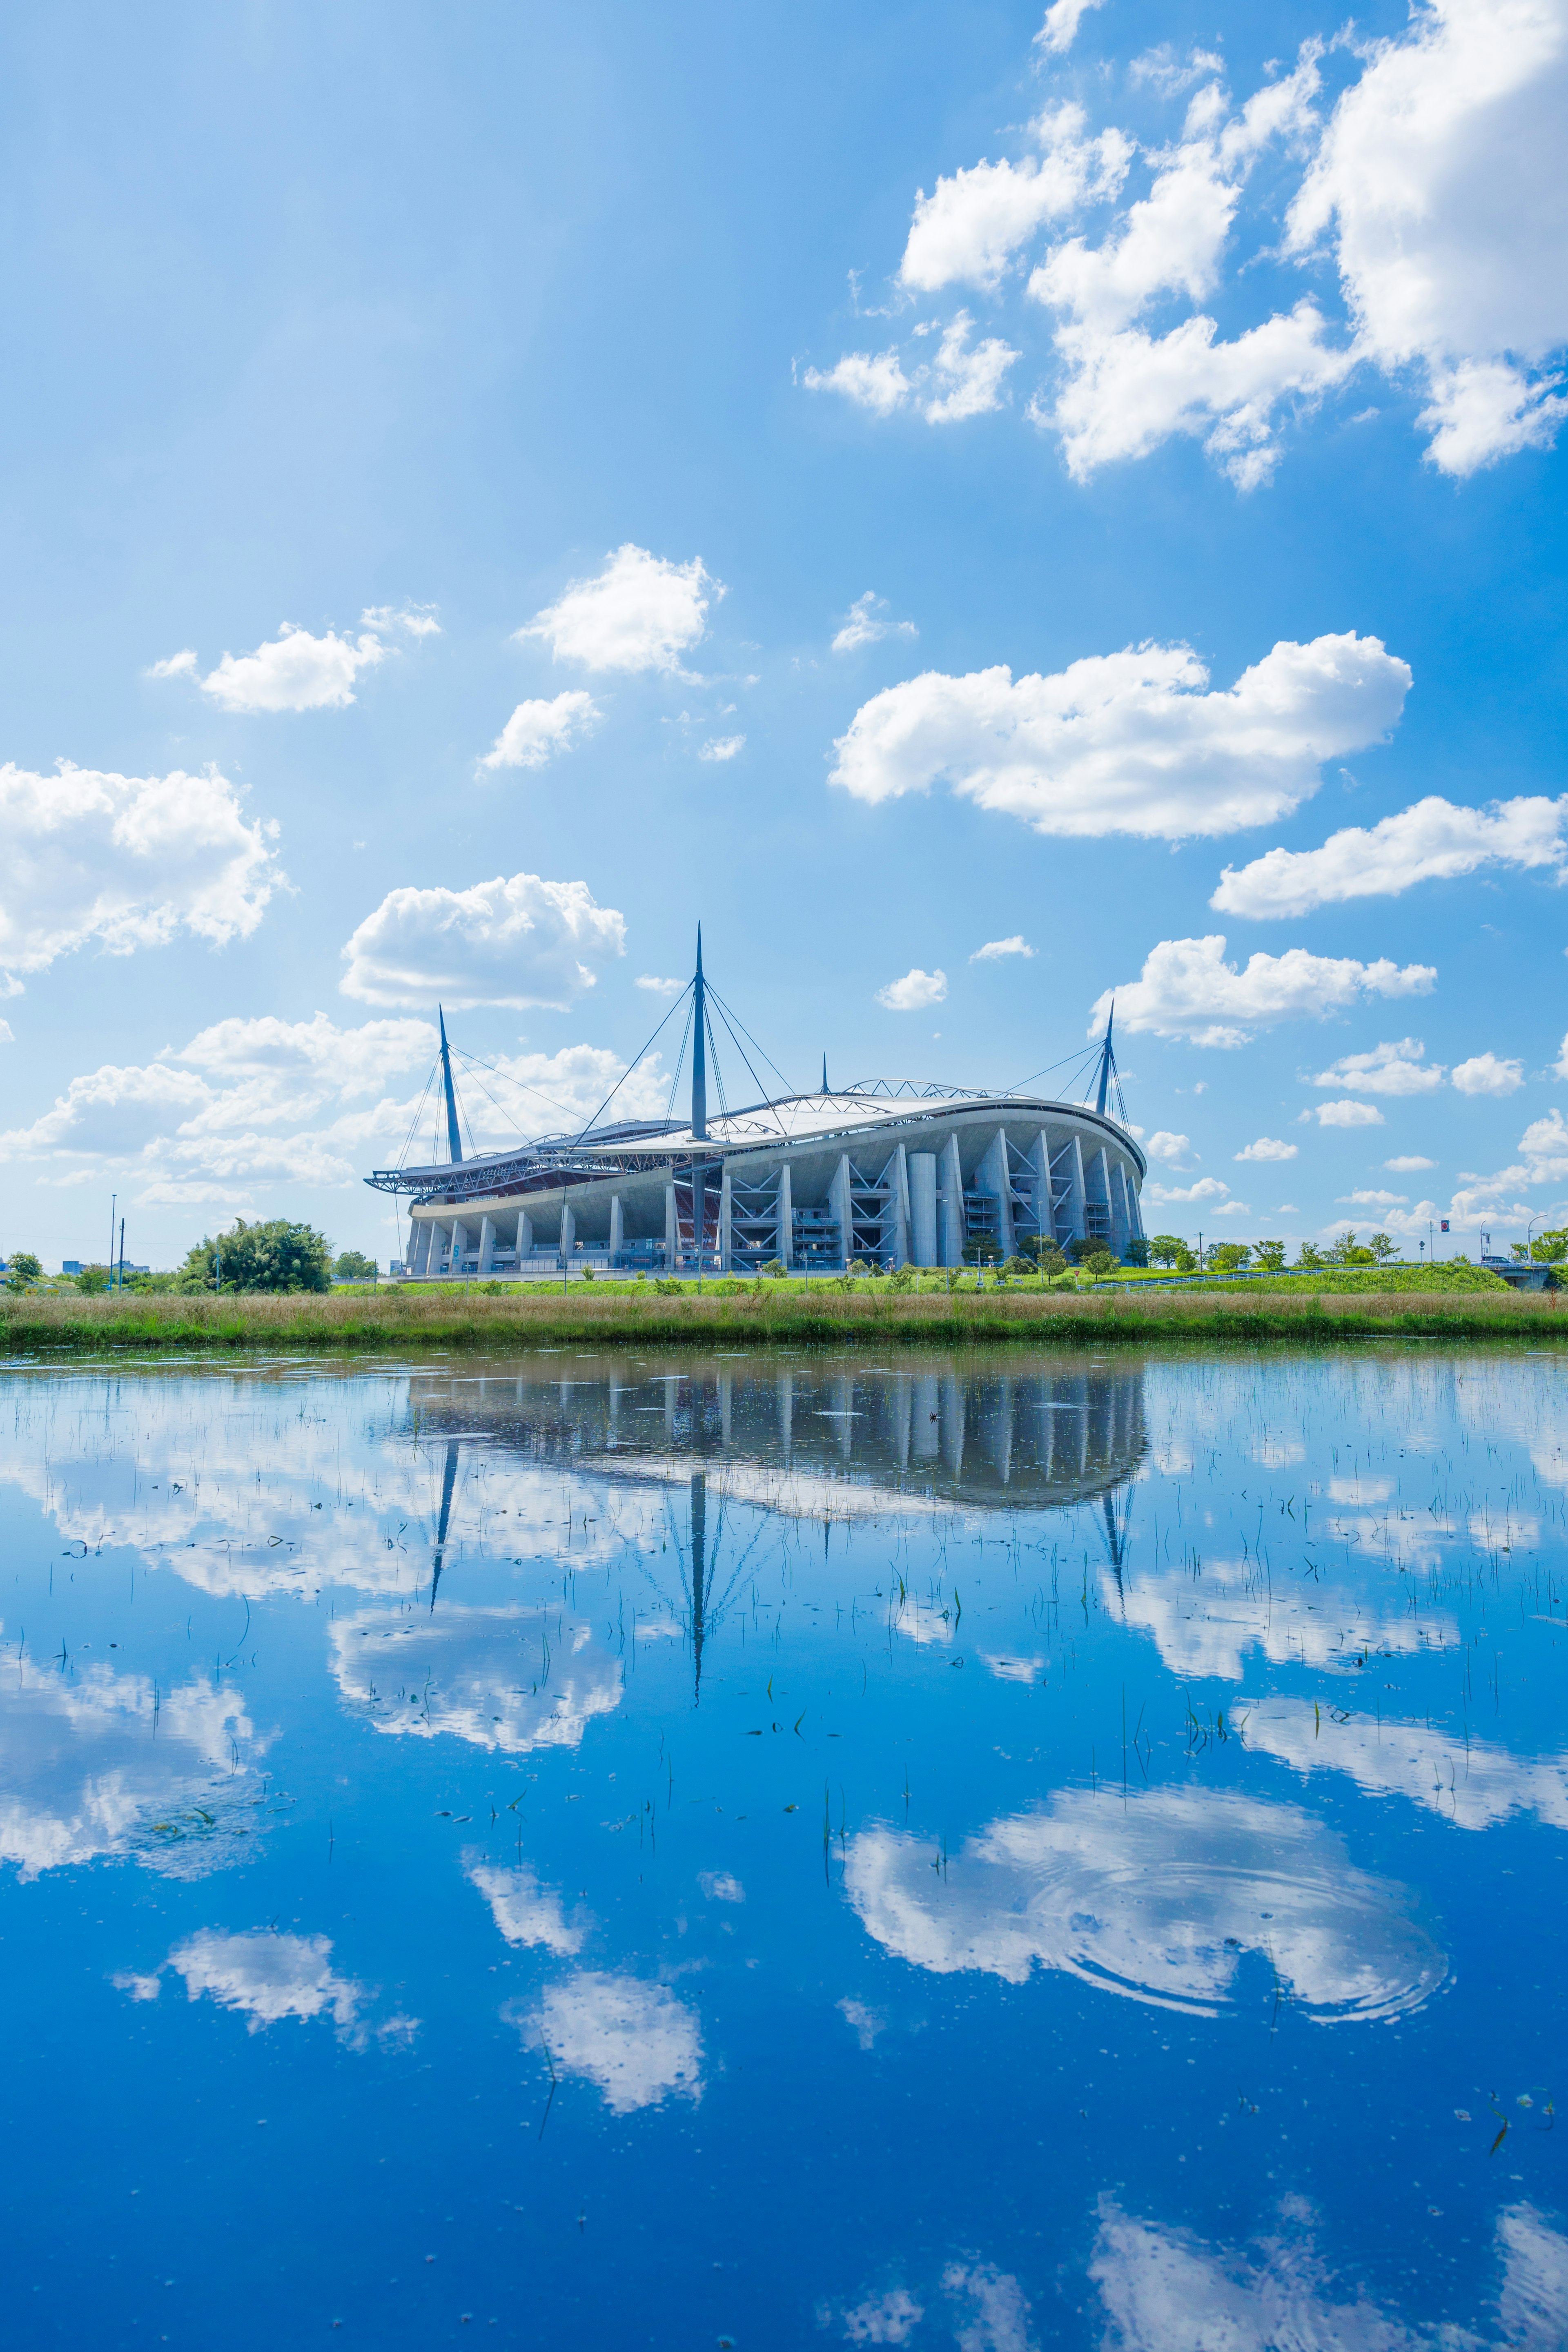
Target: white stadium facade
(885,1175)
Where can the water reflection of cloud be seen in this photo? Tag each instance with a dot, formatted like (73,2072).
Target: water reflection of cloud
(525,1912)
(973,2305)
(1159,1900)
(1205,1620)
(637,2041)
(1167,2291)
(510,1678)
(269,1977)
(1469,1782)
(96,1763)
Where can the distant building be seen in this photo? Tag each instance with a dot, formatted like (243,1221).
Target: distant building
(888,1175)
(70,1266)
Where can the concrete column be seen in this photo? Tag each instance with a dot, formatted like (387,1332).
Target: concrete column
(524,1235)
(787,1217)
(950,1207)
(726,1209)
(838,1201)
(459,1245)
(1073,1205)
(995,1176)
(898,1176)
(617,1227)
(1120,1223)
(1097,1188)
(922,1207)
(487,1243)
(424,1230)
(1040,1166)
(1134,1206)
(568,1233)
(672,1231)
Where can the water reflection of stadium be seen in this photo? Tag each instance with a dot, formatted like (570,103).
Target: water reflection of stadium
(812,1437)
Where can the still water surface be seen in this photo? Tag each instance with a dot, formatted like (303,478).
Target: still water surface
(613,1850)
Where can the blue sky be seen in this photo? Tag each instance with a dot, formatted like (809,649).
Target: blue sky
(445,449)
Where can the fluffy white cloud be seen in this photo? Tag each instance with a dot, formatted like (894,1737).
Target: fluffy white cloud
(1434,840)
(1059,31)
(1175,1150)
(723,747)
(955,383)
(1207,1188)
(1485,1074)
(1372,1199)
(1408,1163)
(126,862)
(293,671)
(861,625)
(1345,1114)
(524,1911)
(537,730)
(967,231)
(995,950)
(1544,1145)
(1438,178)
(1388,1069)
(637,2041)
(418,620)
(1158,1900)
(113,1111)
(656,987)
(1267,1147)
(914,991)
(474,1673)
(1128,742)
(1207,1619)
(1187,990)
(1165,2291)
(518,942)
(640,612)
(269,1977)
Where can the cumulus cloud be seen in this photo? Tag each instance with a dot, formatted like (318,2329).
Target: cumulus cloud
(656,987)
(1436,183)
(1059,31)
(1128,742)
(270,1978)
(917,990)
(957,382)
(1175,1150)
(1434,840)
(1267,1147)
(126,862)
(1187,990)
(1207,1188)
(517,942)
(637,2043)
(1407,1165)
(293,671)
(1544,1146)
(723,747)
(861,625)
(1159,1900)
(474,1673)
(418,620)
(524,1911)
(1485,1074)
(1388,1069)
(537,730)
(995,950)
(967,231)
(1368,1199)
(1345,1114)
(642,612)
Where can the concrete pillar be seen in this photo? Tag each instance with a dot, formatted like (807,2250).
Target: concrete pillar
(838,1201)
(922,1207)
(424,1231)
(672,1231)
(787,1217)
(1040,1169)
(617,1227)
(726,1209)
(1071,1165)
(1097,1188)
(950,1207)
(897,1227)
(994,1176)
(524,1235)
(1134,1207)
(459,1245)
(568,1234)
(1120,1223)
(487,1243)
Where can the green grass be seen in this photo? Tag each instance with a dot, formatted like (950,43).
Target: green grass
(867,1314)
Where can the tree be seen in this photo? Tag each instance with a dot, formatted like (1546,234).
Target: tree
(1137,1253)
(1166,1248)
(1099,1263)
(983,1251)
(1382,1248)
(23,1270)
(1229,1258)
(276,1255)
(1550,1249)
(352,1266)
(93,1278)
(1271,1257)
(1309,1256)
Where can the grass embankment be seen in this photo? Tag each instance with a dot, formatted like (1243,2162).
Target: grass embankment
(867,1314)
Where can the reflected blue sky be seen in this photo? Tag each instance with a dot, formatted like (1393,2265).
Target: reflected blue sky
(645,1850)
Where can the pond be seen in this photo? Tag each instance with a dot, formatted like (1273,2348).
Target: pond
(644,1850)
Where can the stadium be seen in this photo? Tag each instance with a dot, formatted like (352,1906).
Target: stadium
(880,1173)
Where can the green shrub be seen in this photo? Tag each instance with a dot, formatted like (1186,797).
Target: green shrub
(276,1255)
(23,1270)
